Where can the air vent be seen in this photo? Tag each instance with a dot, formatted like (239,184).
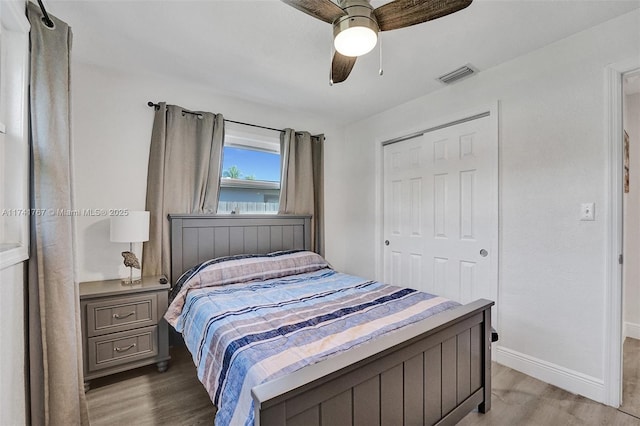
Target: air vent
(460,73)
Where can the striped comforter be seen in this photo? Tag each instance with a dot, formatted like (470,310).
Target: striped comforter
(253,319)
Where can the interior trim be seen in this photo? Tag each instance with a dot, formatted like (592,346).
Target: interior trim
(433,129)
(562,377)
(613,269)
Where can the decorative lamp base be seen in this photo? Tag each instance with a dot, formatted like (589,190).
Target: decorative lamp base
(130,282)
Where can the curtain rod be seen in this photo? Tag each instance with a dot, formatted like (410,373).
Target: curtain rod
(156,106)
(47,21)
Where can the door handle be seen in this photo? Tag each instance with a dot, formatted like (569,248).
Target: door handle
(386,242)
(484,253)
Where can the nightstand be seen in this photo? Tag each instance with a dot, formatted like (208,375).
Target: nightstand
(123,326)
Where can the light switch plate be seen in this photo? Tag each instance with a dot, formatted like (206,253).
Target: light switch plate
(588,211)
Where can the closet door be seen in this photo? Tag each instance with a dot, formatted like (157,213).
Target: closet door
(440,211)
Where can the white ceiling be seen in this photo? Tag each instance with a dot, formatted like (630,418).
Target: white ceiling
(270,53)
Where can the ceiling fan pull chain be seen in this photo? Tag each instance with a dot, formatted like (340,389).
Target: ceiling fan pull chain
(381,72)
(331,66)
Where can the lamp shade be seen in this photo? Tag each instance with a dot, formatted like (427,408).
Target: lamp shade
(133,228)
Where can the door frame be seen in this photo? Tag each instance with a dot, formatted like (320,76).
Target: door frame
(494,111)
(613,127)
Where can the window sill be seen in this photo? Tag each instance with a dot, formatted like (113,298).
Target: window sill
(12,254)
(248,183)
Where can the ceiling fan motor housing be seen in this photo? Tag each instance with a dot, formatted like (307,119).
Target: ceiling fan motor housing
(359,14)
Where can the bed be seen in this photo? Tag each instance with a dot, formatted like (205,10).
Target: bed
(434,370)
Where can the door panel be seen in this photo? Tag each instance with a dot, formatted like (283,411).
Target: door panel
(405,215)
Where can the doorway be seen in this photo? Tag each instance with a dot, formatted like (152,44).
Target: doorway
(631,244)
(614,136)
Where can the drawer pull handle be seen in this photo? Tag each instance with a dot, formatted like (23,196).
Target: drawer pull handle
(133,345)
(118,316)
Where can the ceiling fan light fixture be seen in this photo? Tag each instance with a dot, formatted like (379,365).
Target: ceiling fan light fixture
(356,24)
(356,35)
(355,41)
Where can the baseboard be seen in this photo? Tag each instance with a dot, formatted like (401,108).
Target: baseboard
(564,378)
(631,330)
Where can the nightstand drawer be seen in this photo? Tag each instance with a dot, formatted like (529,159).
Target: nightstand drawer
(120,314)
(121,348)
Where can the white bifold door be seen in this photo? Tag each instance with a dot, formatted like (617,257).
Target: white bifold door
(441,211)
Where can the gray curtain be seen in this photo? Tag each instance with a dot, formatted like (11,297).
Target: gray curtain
(302,180)
(185,159)
(55,349)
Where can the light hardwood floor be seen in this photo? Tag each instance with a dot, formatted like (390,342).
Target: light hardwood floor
(518,399)
(631,377)
(146,397)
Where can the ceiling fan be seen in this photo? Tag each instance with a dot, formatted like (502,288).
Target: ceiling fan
(356,23)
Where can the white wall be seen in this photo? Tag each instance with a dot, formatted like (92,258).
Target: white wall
(552,158)
(12,366)
(112,130)
(631,268)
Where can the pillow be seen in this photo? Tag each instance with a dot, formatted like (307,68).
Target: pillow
(248,267)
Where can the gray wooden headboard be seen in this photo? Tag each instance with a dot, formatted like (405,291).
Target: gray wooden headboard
(196,238)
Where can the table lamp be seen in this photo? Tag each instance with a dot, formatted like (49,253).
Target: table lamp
(133,228)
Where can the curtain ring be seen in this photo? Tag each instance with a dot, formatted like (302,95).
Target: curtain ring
(48,23)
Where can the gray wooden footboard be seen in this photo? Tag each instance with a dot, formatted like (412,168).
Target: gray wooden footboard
(433,372)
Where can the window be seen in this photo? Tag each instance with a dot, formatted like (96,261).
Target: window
(14,151)
(250,177)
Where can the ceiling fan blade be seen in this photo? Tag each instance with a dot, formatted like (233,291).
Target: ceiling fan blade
(341,67)
(404,13)
(325,10)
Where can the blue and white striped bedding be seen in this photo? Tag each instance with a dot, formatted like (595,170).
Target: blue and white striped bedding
(242,334)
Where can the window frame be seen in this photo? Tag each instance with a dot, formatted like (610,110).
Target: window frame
(255,142)
(14,62)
